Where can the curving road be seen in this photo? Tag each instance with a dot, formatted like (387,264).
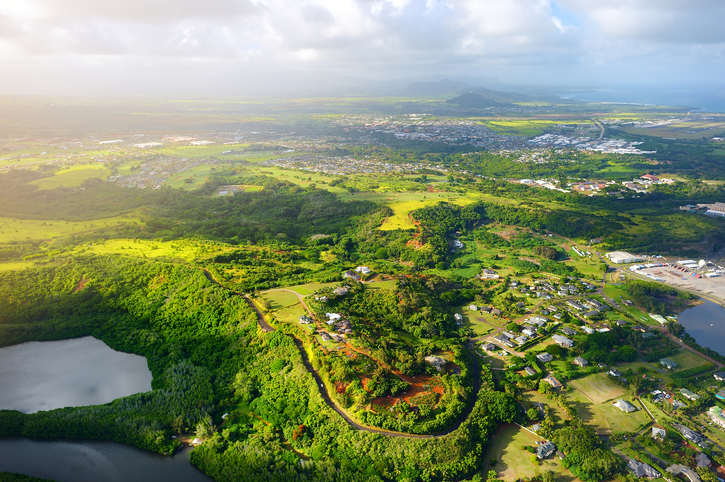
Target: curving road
(330,402)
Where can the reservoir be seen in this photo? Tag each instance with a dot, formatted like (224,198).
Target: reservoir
(92,461)
(46,375)
(697,322)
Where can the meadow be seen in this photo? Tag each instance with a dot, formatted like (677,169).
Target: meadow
(13,230)
(514,463)
(72,176)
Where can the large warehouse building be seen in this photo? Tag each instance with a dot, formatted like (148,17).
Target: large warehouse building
(622,257)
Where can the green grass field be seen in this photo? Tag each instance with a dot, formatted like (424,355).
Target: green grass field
(15,266)
(686,359)
(142,248)
(479,322)
(72,176)
(285,306)
(605,417)
(514,463)
(598,388)
(309,288)
(33,229)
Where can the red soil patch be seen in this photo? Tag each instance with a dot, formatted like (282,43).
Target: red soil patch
(81,284)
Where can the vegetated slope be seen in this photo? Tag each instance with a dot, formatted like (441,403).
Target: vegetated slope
(208,358)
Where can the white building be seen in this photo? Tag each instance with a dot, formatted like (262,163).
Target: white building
(623,257)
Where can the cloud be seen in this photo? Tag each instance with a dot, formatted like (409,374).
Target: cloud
(519,40)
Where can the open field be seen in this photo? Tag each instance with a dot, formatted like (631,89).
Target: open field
(513,463)
(598,388)
(532,127)
(309,288)
(532,396)
(285,306)
(24,229)
(15,265)
(72,176)
(144,248)
(479,322)
(605,417)
(684,129)
(686,359)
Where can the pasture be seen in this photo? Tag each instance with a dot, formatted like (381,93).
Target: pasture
(513,462)
(144,248)
(34,229)
(598,388)
(686,359)
(606,417)
(72,176)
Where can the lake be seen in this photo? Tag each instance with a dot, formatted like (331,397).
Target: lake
(697,322)
(47,375)
(91,461)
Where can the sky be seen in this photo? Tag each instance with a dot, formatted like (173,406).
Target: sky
(249,47)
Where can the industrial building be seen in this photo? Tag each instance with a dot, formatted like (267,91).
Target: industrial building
(622,257)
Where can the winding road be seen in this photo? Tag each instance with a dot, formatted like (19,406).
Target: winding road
(326,395)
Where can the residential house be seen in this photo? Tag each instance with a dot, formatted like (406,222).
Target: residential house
(529,331)
(545,449)
(563,341)
(531,372)
(556,384)
(304,319)
(717,416)
(588,330)
(702,461)
(568,331)
(678,469)
(364,270)
(436,361)
(325,336)
(615,373)
(641,328)
(576,305)
(487,309)
(580,361)
(719,376)
(351,275)
(667,363)
(473,308)
(458,317)
(538,320)
(688,433)
(625,406)
(689,394)
(521,339)
(489,347)
(640,469)
(621,323)
(544,357)
(658,433)
(340,291)
(721,394)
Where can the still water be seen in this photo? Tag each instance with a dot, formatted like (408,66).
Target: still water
(698,320)
(44,375)
(93,461)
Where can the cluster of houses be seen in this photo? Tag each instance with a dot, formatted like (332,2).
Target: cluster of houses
(588,307)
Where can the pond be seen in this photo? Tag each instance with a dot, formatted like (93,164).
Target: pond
(91,461)
(706,324)
(46,375)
